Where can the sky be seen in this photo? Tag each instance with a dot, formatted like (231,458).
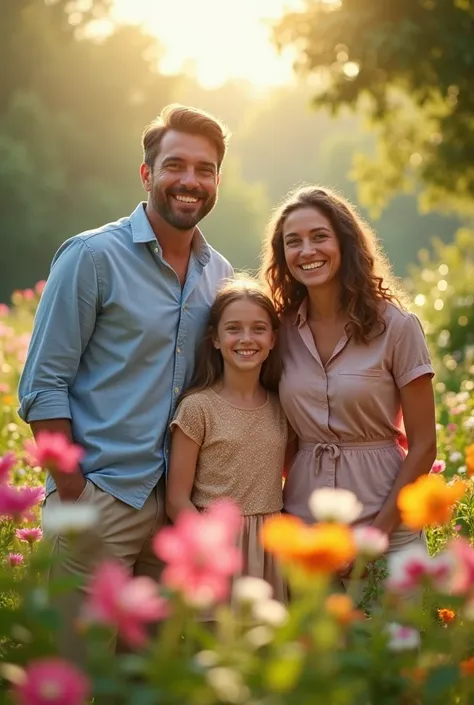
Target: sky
(220,39)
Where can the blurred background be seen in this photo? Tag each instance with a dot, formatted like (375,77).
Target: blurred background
(372,98)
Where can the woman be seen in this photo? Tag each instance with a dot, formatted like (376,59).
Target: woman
(356,365)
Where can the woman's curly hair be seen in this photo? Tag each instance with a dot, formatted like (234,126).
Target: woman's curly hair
(365,275)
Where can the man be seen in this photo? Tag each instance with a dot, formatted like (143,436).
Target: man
(113,346)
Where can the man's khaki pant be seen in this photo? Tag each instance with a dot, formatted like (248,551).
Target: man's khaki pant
(122,533)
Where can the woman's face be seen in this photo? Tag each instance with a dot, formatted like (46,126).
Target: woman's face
(312,251)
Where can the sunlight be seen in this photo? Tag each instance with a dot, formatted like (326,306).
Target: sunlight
(215,40)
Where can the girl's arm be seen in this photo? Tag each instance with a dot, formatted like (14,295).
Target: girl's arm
(418,407)
(181,473)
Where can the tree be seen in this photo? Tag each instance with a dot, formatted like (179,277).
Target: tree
(408,65)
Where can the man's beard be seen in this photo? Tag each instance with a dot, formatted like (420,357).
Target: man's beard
(182,221)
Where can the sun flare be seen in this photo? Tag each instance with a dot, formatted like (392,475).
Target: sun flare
(216,40)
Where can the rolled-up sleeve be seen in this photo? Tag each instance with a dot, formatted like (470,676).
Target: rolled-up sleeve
(411,358)
(63,325)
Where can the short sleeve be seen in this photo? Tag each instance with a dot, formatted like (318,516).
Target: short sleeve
(411,357)
(191,419)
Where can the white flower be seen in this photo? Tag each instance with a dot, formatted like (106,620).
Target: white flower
(469,423)
(259,636)
(461,470)
(70,518)
(335,504)
(455,456)
(228,685)
(249,590)
(207,658)
(270,612)
(370,542)
(402,638)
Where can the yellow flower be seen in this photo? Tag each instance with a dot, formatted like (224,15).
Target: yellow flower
(446,615)
(320,548)
(428,501)
(470,460)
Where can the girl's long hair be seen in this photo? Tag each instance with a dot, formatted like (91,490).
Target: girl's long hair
(209,363)
(365,275)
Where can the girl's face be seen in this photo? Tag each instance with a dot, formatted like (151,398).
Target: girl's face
(244,335)
(312,250)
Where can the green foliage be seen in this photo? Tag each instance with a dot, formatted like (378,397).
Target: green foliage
(408,66)
(442,287)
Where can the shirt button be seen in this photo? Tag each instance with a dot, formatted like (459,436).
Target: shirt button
(155,250)
(178,350)
(176,390)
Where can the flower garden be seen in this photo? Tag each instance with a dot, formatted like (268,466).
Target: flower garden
(407,639)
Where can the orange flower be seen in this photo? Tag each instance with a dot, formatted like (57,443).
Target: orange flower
(321,548)
(417,674)
(428,501)
(8,400)
(470,460)
(446,615)
(467,667)
(342,609)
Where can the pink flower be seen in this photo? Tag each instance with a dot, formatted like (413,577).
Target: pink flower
(413,568)
(17,502)
(15,559)
(128,604)
(7,463)
(4,310)
(462,577)
(438,466)
(370,542)
(29,535)
(52,681)
(401,638)
(53,451)
(4,388)
(452,427)
(28,294)
(39,286)
(200,553)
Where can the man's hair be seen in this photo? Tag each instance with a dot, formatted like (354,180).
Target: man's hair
(190,121)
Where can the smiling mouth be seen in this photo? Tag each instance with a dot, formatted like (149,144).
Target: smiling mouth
(182,198)
(246,353)
(312,265)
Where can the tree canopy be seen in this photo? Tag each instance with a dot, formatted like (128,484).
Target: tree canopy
(408,66)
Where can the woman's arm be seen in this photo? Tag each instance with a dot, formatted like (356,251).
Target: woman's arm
(182,470)
(418,409)
(290,452)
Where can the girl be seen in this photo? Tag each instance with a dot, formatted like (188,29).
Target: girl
(229,432)
(356,364)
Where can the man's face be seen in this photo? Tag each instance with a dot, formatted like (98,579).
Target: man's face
(183,183)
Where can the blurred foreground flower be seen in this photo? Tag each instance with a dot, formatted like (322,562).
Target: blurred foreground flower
(7,463)
(341,608)
(462,556)
(53,451)
(413,568)
(125,603)
(200,553)
(17,502)
(337,505)
(321,548)
(402,638)
(52,681)
(29,535)
(70,518)
(370,542)
(470,460)
(428,501)
(249,590)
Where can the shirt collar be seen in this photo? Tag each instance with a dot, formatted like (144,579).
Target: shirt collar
(143,232)
(302,313)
